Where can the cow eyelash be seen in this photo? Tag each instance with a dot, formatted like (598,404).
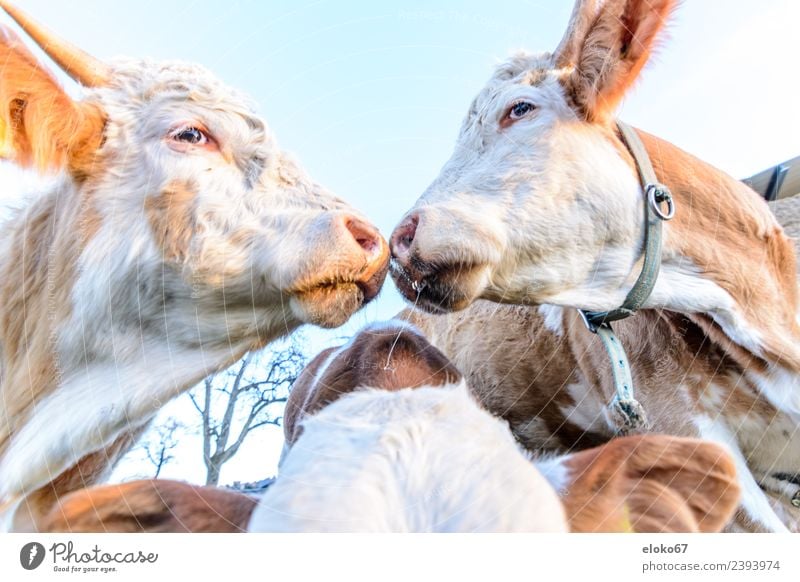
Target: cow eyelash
(191,135)
(519,110)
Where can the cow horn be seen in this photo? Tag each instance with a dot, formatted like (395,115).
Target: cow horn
(84,68)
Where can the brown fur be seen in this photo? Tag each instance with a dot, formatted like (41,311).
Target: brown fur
(87,471)
(151,506)
(721,218)
(34,298)
(619,38)
(40,126)
(171,217)
(515,367)
(787,211)
(651,484)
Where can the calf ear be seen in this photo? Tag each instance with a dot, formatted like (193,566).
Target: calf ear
(651,483)
(40,125)
(151,505)
(608,48)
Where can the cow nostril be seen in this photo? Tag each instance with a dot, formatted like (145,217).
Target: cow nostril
(403,236)
(367,237)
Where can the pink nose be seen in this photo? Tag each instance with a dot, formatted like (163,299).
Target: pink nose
(367,237)
(403,237)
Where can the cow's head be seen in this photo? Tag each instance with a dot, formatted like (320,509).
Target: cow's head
(387,355)
(539,202)
(183,195)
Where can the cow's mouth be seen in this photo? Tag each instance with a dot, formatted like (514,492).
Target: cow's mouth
(437,288)
(329,302)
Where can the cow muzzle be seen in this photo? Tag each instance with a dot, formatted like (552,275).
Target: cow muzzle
(443,283)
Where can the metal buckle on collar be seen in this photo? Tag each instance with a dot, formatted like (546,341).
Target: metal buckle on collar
(656,194)
(594,319)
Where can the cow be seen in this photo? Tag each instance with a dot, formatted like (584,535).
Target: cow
(176,237)
(540,207)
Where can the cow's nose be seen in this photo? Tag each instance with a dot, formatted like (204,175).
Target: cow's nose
(367,237)
(403,237)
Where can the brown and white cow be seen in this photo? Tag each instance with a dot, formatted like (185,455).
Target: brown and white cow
(177,237)
(541,205)
(392,441)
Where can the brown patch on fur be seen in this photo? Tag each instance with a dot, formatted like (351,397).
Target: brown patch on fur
(787,211)
(608,50)
(651,484)
(390,358)
(88,471)
(152,506)
(35,289)
(171,216)
(40,126)
(730,235)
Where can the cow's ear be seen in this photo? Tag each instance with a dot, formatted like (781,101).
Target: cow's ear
(607,47)
(151,505)
(41,127)
(651,483)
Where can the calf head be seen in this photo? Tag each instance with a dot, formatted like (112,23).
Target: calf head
(389,356)
(540,202)
(188,206)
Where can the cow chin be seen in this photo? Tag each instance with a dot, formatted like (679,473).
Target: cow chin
(447,289)
(327,305)
(331,301)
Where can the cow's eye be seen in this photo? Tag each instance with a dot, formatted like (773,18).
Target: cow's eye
(520,109)
(190,135)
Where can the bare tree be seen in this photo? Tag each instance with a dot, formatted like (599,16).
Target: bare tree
(158,447)
(243,398)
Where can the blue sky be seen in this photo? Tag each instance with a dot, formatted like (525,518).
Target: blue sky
(369,95)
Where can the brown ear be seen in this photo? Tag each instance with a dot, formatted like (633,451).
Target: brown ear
(651,483)
(40,125)
(583,14)
(151,505)
(608,48)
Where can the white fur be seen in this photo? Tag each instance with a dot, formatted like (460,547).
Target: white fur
(553,318)
(754,501)
(782,388)
(589,411)
(554,469)
(92,408)
(422,460)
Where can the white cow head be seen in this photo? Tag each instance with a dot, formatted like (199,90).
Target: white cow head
(539,202)
(184,192)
